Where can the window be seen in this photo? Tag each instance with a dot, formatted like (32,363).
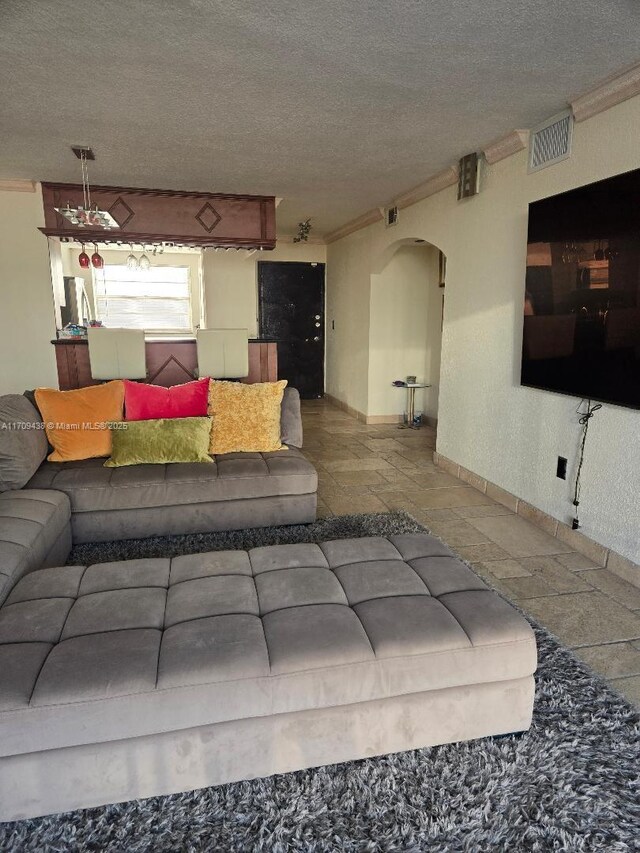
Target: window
(156,300)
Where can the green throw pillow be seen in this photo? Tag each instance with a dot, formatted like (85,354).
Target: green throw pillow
(160,441)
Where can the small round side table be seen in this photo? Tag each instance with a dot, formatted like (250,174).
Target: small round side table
(411,402)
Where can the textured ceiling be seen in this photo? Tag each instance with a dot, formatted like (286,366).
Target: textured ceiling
(334,106)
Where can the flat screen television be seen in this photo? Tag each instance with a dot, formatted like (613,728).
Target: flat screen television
(581,331)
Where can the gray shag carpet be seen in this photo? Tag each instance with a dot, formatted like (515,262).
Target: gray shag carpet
(571,783)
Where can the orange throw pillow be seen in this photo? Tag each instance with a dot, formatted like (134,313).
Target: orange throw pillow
(77,422)
(246,418)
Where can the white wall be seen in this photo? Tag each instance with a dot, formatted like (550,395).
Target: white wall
(487,421)
(403,337)
(231,282)
(348,307)
(27,324)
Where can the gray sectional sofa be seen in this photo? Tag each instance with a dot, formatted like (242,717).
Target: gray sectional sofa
(45,505)
(133,679)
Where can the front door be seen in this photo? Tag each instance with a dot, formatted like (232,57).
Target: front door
(291,309)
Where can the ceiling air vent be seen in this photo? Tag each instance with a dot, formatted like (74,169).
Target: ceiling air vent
(391,216)
(551,141)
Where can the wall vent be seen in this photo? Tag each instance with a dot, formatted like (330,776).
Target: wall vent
(391,216)
(551,141)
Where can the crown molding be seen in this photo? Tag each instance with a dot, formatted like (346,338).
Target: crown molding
(17,186)
(369,218)
(433,185)
(507,145)
(613,91)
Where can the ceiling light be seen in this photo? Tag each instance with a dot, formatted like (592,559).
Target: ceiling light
(86,215)
(303,231)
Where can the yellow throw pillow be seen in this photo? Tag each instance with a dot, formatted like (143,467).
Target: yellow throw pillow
(77,422)
(246,418)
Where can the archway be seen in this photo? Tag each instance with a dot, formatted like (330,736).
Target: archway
(405,329)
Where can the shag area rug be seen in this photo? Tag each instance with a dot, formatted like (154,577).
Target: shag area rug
(570,783)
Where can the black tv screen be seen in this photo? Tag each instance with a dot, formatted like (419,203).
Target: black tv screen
(582,303)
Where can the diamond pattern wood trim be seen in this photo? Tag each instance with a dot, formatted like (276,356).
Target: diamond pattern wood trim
(208,212)
(121,212)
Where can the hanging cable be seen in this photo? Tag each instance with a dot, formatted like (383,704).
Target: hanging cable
(583,420)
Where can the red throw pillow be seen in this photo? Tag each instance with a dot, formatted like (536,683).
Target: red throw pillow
(150,402)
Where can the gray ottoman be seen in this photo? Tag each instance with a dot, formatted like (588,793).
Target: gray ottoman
(146,677)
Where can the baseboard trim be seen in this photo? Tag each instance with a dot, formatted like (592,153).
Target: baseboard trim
(374,419)
(345,407)
(600,554)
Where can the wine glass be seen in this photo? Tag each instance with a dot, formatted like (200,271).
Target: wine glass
(132,261)
(144,261)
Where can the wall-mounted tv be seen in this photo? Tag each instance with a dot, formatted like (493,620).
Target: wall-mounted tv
(582,303)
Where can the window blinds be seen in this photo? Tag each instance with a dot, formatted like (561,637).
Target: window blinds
(156,300)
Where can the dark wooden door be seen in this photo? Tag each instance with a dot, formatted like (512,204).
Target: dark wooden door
(291,309)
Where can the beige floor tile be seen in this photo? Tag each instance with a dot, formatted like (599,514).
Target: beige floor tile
(506,568)
(585,545)
(398,478)
(348,504)
(382,445)
(396,500)
(448,497)
(629,687)
(524,588)
(433,480)
(323,510)
(370,464)
(482,511)
(392,486)
(613,660)
(419,457)
(575,561)
(585,618)
(481,553)
(435,514)
(615,587)
(356,489)
(457,533)
(400,462)
(357,478)
(517,536)
(557,576)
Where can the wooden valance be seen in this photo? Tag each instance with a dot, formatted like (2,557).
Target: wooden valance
(166,216)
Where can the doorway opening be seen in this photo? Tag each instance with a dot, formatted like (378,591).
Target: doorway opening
(405,332)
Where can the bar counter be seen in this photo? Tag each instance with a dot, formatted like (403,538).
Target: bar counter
(170,361)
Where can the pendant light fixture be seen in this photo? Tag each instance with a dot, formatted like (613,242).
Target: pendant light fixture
(83,259)
(86,215)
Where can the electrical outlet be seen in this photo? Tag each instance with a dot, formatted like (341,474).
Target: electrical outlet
(561,468)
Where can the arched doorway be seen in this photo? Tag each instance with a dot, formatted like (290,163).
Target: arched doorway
(405,329)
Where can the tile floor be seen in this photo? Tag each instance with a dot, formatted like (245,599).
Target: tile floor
(375,468)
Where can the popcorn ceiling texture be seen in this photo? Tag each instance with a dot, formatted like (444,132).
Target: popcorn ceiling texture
(335,107)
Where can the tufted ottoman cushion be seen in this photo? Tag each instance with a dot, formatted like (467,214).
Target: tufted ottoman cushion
(35,531)
(119,650)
